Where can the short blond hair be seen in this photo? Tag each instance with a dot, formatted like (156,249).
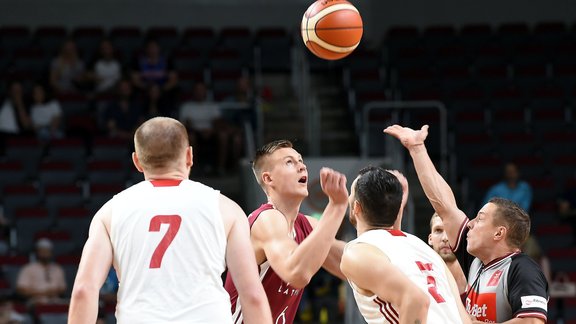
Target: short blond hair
(264,152)
(159,142)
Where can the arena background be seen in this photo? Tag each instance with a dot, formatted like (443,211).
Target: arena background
(495,79)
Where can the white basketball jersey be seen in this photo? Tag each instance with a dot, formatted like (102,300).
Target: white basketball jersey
(169,247)
(420,264)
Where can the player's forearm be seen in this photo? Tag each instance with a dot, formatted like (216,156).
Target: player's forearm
(332,263)
(438,192)
(83,304)
(309,256)
(435,187)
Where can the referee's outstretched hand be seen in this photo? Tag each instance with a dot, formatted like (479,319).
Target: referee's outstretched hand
(408,136)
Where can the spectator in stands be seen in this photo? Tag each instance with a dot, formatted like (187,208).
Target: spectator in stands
(7,313)
(46,114)
(244,95)
(42,281)
(68,71)
(107,69)
(532,248)
(153,105)
(512,188)
(124,115)
(208,130)
(14,117)
(154,69)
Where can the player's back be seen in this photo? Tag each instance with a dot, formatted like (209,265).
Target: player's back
(169,246)
(421,265)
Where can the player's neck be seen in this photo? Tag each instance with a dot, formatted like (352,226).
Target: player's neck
(289,207)
(170,175)
(362,227)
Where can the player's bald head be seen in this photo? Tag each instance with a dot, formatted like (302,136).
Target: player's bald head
(160,142)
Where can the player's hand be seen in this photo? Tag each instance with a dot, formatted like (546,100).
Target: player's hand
(404,183)
(333,184)
(408,136)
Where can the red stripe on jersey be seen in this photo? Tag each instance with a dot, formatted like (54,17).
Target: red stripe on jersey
(381,308)
(391,311)
(396,232)
(387,311)
(166,182)
(532,314)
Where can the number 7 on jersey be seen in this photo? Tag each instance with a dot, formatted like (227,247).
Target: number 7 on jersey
(173,222)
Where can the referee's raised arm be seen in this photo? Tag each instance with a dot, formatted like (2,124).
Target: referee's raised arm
(435,187)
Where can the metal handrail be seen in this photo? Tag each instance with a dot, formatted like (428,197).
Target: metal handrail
(405,105)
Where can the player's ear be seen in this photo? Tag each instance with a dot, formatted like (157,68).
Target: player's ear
(136,162)
(430,239)
(266,179)
(357,207)
(189,156)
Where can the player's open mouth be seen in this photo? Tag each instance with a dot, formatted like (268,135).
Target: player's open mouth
(303,179)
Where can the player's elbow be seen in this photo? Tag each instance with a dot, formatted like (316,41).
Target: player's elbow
(300,278)
(84,292)
(417,301)
(254,298)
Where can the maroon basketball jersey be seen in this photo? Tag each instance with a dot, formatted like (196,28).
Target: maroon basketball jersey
(283,298)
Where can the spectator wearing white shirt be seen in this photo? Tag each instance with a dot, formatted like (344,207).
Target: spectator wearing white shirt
(107,69)
(46,114)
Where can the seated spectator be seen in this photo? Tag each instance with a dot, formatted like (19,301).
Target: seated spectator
(207,128)
(512,188)
(107,70)
(14,117)
(68,71)
(244,95)
(124,115)
(42,281)
(532,248)
(153,68)
(7,313)
(46,114)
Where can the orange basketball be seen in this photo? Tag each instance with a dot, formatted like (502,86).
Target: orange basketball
(331,29)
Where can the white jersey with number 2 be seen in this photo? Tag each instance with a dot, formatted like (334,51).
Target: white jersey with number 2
(420,264)
(169,245)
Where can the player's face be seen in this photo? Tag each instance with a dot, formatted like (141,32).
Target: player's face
(438,240)
(288,173)
(482,229)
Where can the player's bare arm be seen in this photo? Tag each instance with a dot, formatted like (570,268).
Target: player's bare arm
(296,264)
(435,187)
(371,271)
(242,264)
(91,275)
(332,262)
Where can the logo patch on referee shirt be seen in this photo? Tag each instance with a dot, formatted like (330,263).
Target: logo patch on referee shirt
(534,302)
(495,279)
